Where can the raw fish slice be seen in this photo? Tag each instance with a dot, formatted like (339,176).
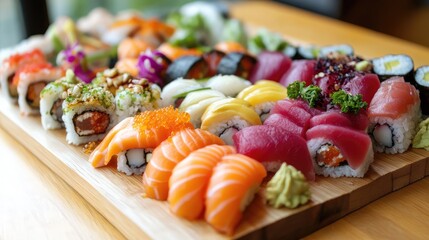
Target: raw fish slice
(189,180)
(394,98)
(293,111)
(98,156)
(270,66)
(366,85)
(166,156)
(354,145)
(274,146)
(358,121)
(232,186)
(282,121)
(300,70)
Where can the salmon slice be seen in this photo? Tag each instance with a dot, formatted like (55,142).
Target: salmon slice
(132,47)
(98,156)
(168,154)
(232,186)
(189,180)
(394,98)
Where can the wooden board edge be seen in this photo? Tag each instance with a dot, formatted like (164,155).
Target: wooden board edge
(127,227)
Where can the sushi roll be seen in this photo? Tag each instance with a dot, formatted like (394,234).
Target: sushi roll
(238,64)
(134,139)
(229,85)
(394,113)
(190,67)
(10,66)
(170,94)
(394,65)
(30,81)
(168,154)
(335,151)
(343,49)
(225,117)
(213,59)
(307,52)
(196,103)
(88,113)
(137,97)
(51,100)
(112,79)
(421,81)
(262,96)
(233,185)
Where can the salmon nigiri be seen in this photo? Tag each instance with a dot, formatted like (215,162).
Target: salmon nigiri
(168,154)
(189,180)
(232,186)
(135,138)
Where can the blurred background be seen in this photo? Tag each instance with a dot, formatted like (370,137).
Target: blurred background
(406,19)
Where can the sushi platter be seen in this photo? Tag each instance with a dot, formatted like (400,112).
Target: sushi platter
(136,205)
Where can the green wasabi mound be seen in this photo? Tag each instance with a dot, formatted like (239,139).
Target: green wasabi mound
(421,140)
(287,188)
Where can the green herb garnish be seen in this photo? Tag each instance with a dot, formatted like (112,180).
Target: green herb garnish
(311,93)
(348,102)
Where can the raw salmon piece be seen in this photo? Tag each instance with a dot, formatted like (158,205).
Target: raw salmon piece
(229,47)
(189,180)
(232,186)
(98,156)
(166,156)
(132,47)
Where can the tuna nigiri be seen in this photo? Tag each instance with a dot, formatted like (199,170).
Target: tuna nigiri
(302,70)
(189,180)
(166,156)
(270,66)
(272,146)
(232,186)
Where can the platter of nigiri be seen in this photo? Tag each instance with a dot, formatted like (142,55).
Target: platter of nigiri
(190,127)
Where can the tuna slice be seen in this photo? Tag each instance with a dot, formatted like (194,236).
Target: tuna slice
(294,110)
(285,123)
(358,121)
(275,146)
(354,145)
(367,85)
(300,70)
(270,66)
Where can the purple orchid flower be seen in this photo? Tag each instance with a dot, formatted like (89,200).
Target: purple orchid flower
(73,57)
(150,66)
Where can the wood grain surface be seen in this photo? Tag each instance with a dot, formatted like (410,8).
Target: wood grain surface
(61,212)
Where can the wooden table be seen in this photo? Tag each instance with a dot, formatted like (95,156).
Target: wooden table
(36,203)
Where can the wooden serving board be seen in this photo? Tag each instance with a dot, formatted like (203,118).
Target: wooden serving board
(118,197)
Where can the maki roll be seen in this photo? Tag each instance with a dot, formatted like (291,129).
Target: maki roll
(421,81)
(10,66)
(262,96)
(30,81)
(394,65)
(88,113)
(229,85)
(138,96)
(171,93)
(196,103)
(51,100)
(394,113)
(335,153)
(225,117)
(238,64)
(190,67)
(213,59)
(343,49)
(112,79)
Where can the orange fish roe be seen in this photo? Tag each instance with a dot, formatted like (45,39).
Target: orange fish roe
(31,68)
(167,119)
(330,156)
(23,58)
